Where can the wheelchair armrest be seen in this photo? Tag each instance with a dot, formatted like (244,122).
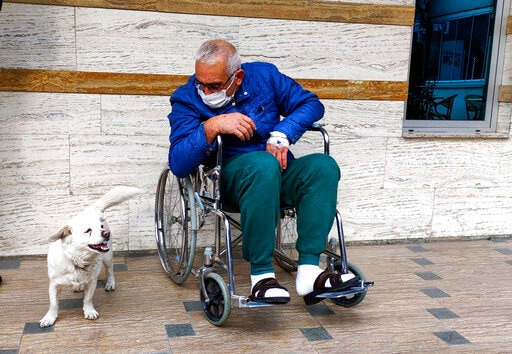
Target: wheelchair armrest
(317,128)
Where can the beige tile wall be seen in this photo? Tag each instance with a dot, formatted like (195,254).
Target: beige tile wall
(58,152)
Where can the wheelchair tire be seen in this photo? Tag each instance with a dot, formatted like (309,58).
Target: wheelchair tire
(175,225)
(218,308)
(285,254)
(352,300)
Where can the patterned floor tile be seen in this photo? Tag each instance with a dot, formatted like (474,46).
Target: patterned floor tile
(179,330)
(316,334)
(451,338)
(442,313)
(435,293)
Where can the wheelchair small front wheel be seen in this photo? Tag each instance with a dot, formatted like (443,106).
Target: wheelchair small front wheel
(351,300)
(217,306)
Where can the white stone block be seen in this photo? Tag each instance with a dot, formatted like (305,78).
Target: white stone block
(145,42)
(37,37)
(34,164)
(472,212)
(100,162)
(135,115)
(328,50)
(49,114)
(29,220)
(386,214)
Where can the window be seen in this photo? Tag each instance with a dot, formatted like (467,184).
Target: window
(454,57)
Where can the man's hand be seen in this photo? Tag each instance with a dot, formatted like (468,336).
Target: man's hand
(277,145)
(237,124)
(280,153)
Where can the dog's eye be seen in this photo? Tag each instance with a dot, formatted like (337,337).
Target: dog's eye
(88,231)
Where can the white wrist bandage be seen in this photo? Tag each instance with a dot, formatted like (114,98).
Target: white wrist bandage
(278,139)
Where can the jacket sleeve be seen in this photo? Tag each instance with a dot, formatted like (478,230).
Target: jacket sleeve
(188,145)
(299,107)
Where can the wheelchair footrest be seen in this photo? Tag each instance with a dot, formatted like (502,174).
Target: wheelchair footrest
(361,288)
(244,301)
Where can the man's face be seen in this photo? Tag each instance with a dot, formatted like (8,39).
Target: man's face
(214,78)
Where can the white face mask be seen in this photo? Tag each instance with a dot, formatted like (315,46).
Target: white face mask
(217,99)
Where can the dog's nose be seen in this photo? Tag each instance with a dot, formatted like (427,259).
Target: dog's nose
(105,234)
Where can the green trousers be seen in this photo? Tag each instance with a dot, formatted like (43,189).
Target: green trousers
(254,184)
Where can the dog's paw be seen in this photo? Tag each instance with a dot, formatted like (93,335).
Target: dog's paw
(47,321)
(110,286)
(78,288)
(91,314)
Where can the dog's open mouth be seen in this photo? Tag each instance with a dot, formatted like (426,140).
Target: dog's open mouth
(100,247)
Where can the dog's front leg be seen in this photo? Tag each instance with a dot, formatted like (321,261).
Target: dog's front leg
(89,312)
(51,316)
(110,284)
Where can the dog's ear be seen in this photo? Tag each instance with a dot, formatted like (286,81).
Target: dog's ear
(65,231)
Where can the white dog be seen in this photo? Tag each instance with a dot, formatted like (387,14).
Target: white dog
(78,251)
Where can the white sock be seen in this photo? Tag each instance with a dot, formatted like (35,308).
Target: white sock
(270,292)
(306,276)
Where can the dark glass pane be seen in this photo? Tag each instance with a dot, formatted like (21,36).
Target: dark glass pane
(449,61)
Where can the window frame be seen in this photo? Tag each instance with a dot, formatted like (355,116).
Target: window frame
(488,126)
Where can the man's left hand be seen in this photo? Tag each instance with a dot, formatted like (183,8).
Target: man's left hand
(281,154)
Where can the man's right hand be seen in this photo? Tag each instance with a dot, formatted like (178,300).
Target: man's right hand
(236,124)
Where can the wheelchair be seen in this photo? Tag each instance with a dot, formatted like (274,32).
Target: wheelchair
(182,208)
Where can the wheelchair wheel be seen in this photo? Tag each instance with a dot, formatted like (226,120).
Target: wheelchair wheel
(175,225)
(352,300)
(285,254)
(218,308)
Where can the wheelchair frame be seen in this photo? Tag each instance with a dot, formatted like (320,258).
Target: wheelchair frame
(182,206)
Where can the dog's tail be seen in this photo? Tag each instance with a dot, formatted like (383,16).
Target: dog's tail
(116,196)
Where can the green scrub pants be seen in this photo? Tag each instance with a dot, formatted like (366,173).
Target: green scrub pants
(254,184)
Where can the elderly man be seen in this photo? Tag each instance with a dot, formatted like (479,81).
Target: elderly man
(245,103)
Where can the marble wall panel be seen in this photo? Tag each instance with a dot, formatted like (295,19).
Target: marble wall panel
(142,223)
(353,118)
(145,42)
(100,162)
(472,212)
(430,163)
(135,115)
(27,221)
(328,50)
(28,113)
(504,117)
(507,63)
(34,164)
(382,215)
(362,162)
(37,37)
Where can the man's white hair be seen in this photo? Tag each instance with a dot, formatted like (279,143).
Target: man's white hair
(215,50)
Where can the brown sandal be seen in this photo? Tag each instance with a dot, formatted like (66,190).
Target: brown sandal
(259,290)
(336,285)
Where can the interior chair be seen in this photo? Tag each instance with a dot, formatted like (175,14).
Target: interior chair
(446,105)
(474,105)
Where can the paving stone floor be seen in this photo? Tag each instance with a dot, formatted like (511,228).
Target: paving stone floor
(434,297)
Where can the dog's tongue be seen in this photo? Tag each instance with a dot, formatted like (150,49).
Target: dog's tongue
(102,247)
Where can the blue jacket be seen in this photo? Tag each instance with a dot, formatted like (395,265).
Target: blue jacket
(265,96)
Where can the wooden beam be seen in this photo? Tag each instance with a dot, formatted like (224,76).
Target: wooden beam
(505,93)
(362,13)
(37,80)
(305,10)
